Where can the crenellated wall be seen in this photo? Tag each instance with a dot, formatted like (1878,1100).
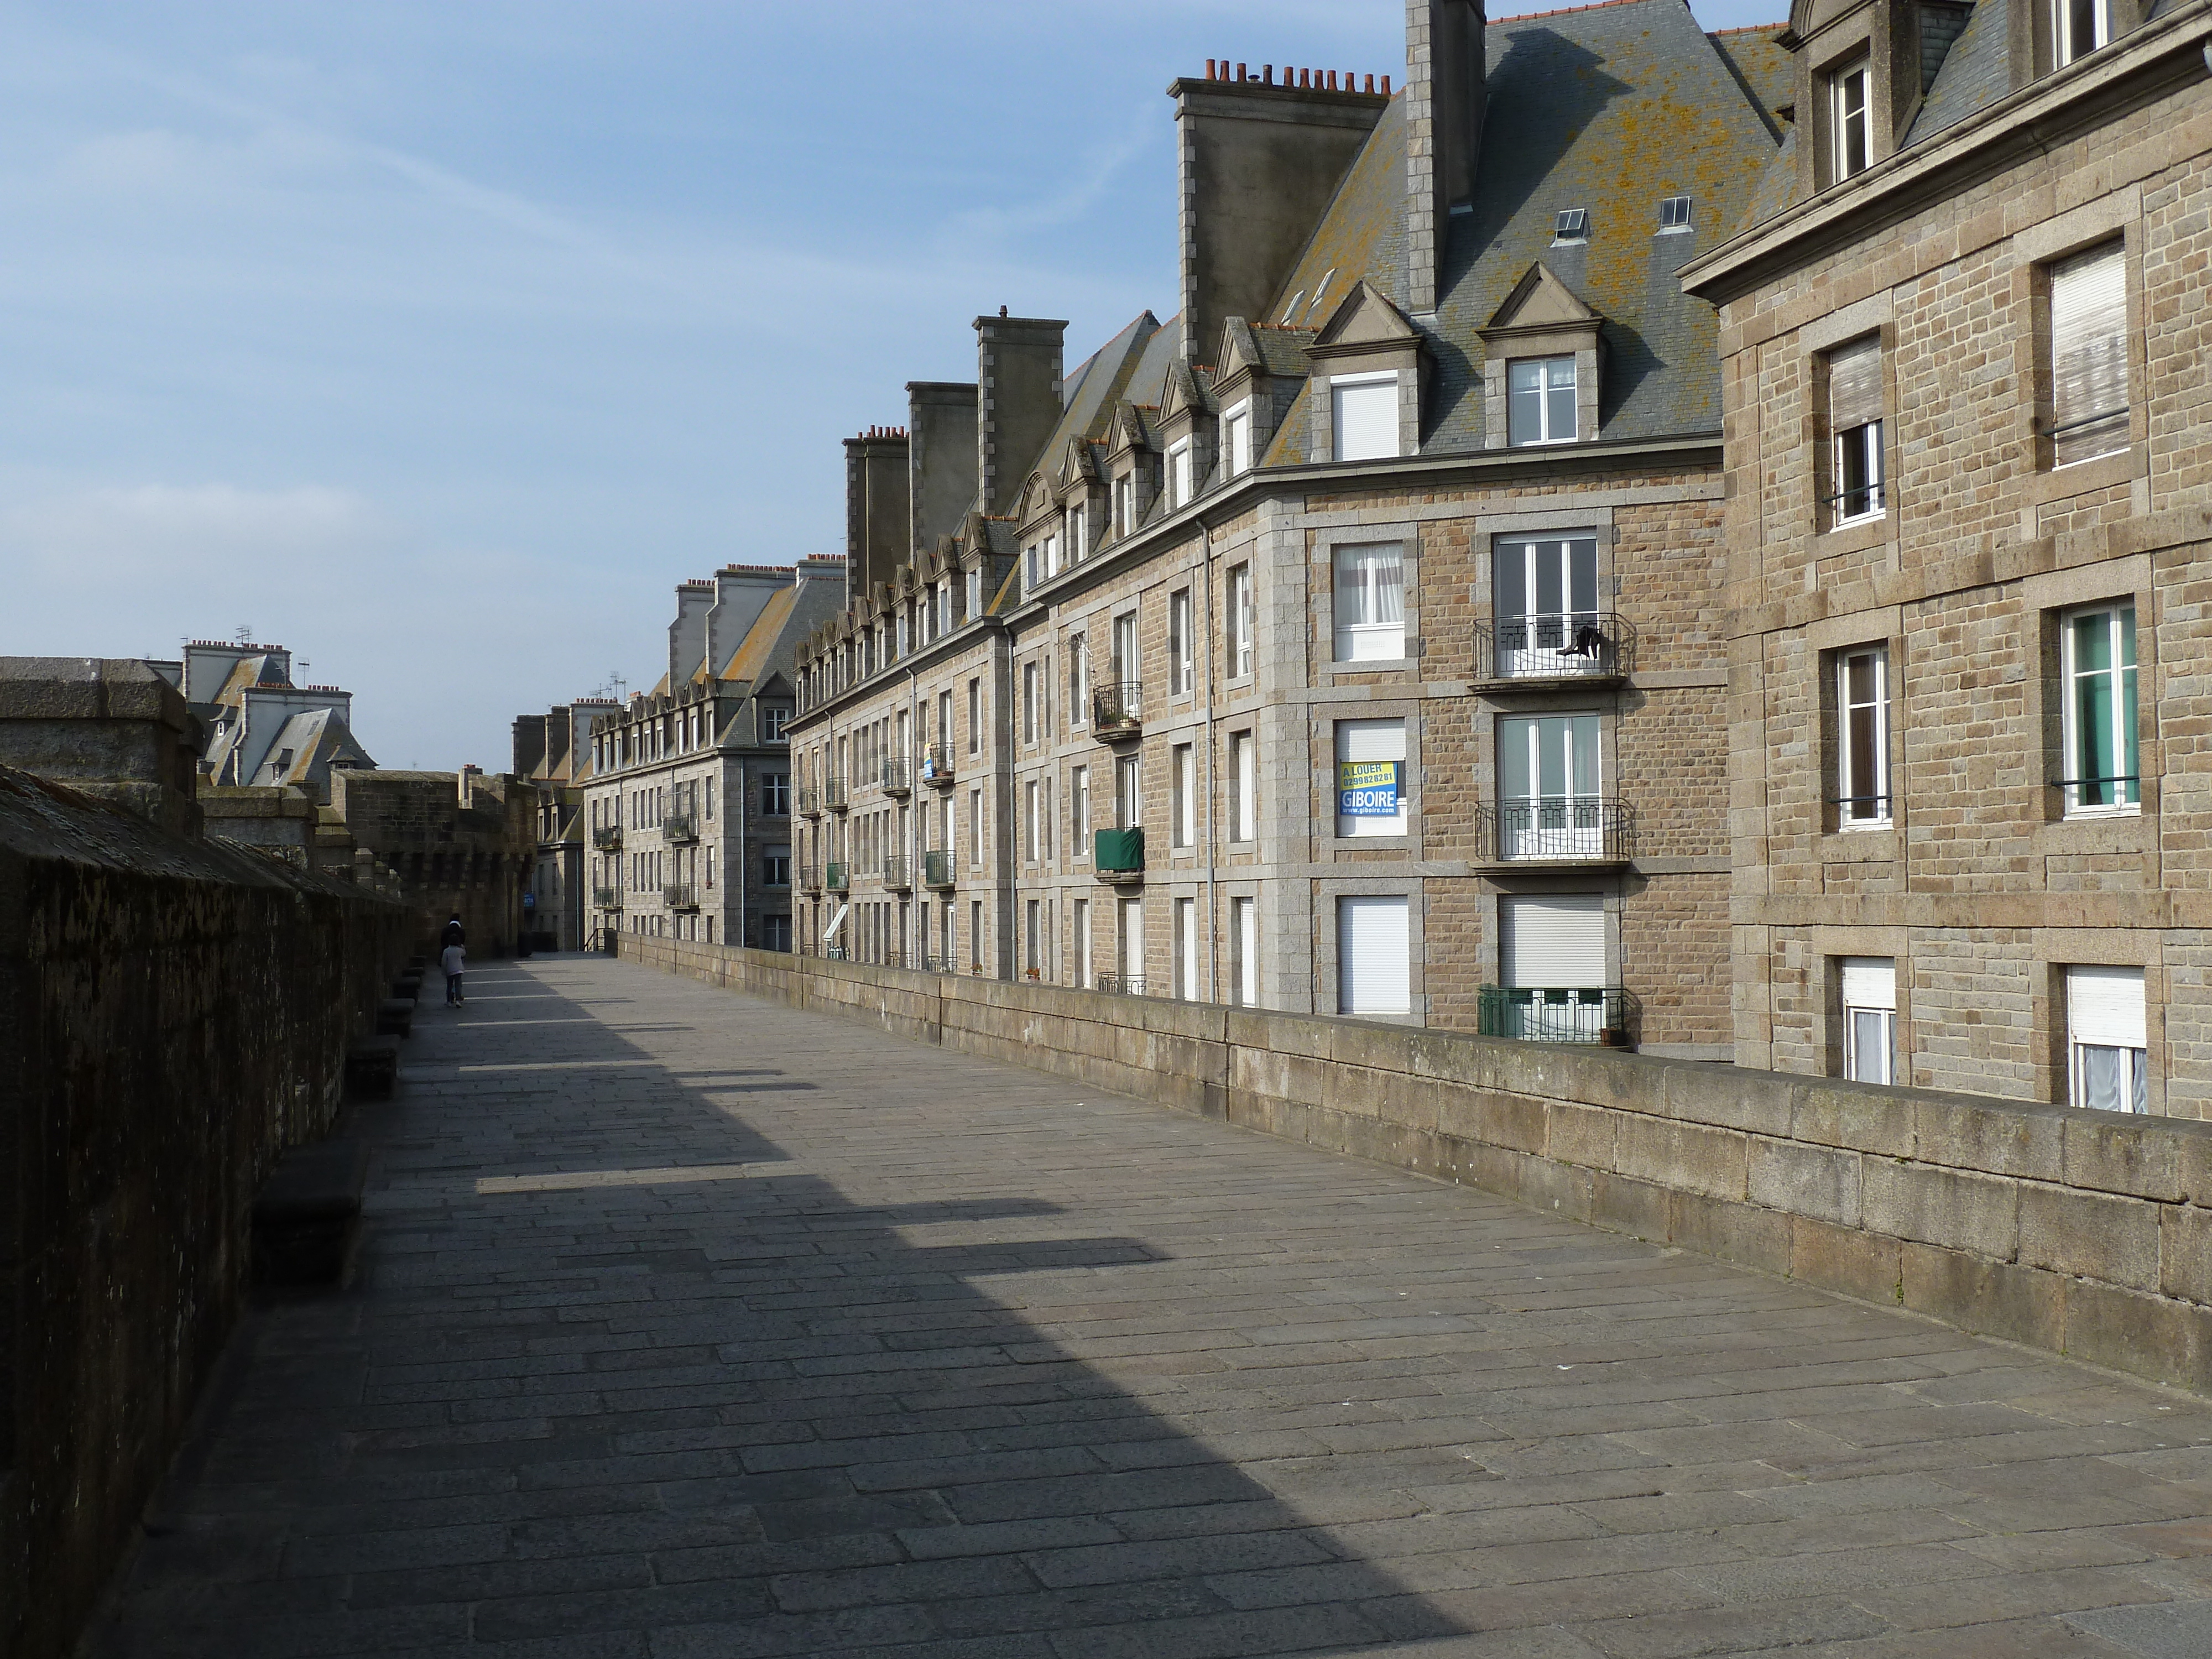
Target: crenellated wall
(175,1014)
(2085,1233)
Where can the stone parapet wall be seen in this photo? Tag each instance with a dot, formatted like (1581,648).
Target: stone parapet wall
(175,1014)
(2085,1233)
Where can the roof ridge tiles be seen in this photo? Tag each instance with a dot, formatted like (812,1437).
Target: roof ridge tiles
(1562,11)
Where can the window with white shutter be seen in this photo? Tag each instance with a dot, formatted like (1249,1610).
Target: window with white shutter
(1364,414)
(1244,941)
(1855,430)
(2089,354)
(1552,940)
(1869,1001)
(1236,438)
(2107,1039)
(1371,603)
(1374,956)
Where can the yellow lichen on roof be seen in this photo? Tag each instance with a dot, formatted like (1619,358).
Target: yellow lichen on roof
(1350,241)
(752,654)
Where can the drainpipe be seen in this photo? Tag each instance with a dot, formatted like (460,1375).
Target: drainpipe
(917,908)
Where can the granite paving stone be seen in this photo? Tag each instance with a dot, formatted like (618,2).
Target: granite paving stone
(689,1324)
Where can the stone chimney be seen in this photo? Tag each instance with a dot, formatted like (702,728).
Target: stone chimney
(1446,77)
(467,779)
(529,743)
(687,635)
(879,509)
(1257,165)
(1017,403)
(941,458)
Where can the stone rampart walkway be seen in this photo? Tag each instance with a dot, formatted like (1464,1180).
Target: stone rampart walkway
(689,1325)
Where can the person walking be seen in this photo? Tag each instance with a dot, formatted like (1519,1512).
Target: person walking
(454,933)
(451,959)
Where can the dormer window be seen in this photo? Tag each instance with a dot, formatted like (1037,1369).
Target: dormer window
(1179,489)
(1125,504)
(1673,213)
(1236,438)
(1076,538)
(1570,224)
(975,594)
(1541,400)
(1363,413)
(2083,26)
(1850,114)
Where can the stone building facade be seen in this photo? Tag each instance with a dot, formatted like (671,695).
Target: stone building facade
(686,789)
(460,843)
(548,749)
(1965,337)
(1355,640)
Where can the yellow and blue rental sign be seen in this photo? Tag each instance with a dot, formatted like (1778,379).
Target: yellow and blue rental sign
(1367,789)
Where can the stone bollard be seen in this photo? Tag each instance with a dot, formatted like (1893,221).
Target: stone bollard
(408,984)
(395,1017)
(372,1068)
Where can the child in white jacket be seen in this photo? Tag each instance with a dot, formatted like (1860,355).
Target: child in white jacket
(451,960)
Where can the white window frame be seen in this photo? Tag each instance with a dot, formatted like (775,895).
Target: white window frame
(1180,487)
(1078,681)
(1245,952)
(1367,638)
(1078,810)
(1125,504)
(1853,791)
(1183,776)
(2066,27)
(1240,620)
(1545,368)
(1869,997)
(1851,122)
(1862,444)
(1180,677)
(1077,529)
(1243,787)
(1340,384)
(1237,440)
(2132,1053)
(2124,716)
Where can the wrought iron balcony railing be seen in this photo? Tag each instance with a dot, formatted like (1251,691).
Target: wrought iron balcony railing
(1558,829)
(838,876)
(894,777)
(833,794)
(606,898)
(810,803)
(936,868)
(1554,645)
(680,827)
(1606,1015)
(810,877)
(937,766)
(1117,710)
(607,839)
(896,874)
(1127,985)
(680,895)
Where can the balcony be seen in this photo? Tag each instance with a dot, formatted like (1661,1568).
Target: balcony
(607,840)
(680,895)
(1564,647)
(1117,711)
(833,795)
(1558,829)
(1119,854)
(810,877)
(1124,985)
(678,827)
(896,876)
(839,878)
(606,898)
(810,803)
(937,764)
(1605,1016)
(896,778)
(936,868)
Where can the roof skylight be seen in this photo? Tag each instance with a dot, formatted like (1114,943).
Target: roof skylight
(1571,225)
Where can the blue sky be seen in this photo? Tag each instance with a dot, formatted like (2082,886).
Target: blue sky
(438,341)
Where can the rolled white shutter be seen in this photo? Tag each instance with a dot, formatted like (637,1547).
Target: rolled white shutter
(1553,940)
(2088,339)
(1870,982)
(1365,418)
(2105,1006)
(1370,740)
(1855,384)
(1373,951)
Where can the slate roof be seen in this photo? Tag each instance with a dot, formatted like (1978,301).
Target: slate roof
(1976,73)
(1606,108)
(755,652)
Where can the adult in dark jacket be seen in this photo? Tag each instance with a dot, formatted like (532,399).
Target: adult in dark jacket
(454,933)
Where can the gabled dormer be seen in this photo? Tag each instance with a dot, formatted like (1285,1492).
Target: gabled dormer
(1543,364)
(1259,373)
(1188,429)
(1366,386)
(1132,471)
